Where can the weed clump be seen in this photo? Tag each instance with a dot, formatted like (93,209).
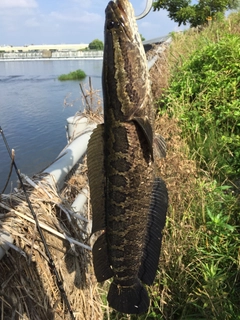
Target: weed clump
(74,75)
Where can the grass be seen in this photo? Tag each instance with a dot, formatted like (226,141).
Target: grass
(199,269)
(204,95)
(199,277)
(74,75)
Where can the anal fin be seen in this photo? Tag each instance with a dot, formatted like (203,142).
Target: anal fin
(147,130)
(101,263)
(156,223)
(96,177)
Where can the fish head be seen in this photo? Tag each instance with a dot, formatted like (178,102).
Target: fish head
(120,20)
(126,84)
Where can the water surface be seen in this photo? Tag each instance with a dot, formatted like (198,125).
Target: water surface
(33,110)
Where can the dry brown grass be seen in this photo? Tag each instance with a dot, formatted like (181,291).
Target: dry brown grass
(28,287)
(159,73)
(176,169)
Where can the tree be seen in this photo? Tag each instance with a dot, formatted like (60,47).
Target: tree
(96,45)
(183,11)
(142,37)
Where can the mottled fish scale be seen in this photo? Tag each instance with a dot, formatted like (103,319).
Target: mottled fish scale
(119,218)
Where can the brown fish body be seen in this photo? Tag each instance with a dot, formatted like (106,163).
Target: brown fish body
(129,197)
(128,162)
(129,204)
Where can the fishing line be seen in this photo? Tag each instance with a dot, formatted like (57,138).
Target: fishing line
(50,262)
(10,173)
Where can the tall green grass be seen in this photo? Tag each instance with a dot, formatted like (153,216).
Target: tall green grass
(204,94)
(201,279)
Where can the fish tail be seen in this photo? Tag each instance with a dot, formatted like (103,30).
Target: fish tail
(128,299)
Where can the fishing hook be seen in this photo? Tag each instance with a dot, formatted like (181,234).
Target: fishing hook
(146,10)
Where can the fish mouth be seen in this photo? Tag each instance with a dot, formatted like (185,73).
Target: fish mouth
(122,14)
(117,8)
(121,9)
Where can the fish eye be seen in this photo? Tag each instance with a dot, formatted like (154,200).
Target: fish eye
(110,24)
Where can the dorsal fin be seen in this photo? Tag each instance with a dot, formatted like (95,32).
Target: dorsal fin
(156,222)
(159,146)
(101,264)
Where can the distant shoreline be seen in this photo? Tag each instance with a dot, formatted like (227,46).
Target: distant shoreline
(48,59)
(41,47)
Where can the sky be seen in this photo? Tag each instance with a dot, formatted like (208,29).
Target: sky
(24,22)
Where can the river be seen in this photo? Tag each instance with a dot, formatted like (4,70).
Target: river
(33,112)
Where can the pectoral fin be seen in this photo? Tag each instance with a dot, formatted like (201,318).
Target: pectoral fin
(147,130)
(159,146)
(96,177)
(156,222)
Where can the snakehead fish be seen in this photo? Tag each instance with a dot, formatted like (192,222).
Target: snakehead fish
(129,203)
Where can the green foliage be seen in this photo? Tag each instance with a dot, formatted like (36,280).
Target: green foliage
(202,276)
(183,12)
(96,45)
(206,89)
(142,37)
(74,75)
